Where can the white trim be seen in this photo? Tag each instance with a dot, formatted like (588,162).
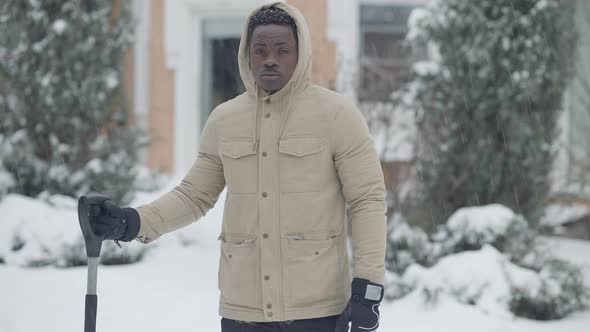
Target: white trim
(141,63)
(343,28)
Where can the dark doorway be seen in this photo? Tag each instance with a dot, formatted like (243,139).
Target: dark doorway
(221,80)
(227,83)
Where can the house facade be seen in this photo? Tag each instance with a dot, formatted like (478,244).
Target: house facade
(183,64)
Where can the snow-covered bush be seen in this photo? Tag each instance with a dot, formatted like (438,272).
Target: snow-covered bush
(561,292)
(41,232)
(407,245)
(487,103)
(487,257)
(395,286)
(489,280)
(479,277)
(128,253)
(471,228)
(74,254)
(65,125)
(6,181)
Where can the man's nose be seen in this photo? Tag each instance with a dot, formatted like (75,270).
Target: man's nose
(271,61)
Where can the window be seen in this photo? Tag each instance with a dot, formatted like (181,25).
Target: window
(385,59)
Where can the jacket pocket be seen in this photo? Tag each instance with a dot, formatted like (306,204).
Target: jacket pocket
(300,163)
(239,270)
(240,165)
(313,270)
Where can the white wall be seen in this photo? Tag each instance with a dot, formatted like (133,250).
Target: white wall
(141,73)
(343,28)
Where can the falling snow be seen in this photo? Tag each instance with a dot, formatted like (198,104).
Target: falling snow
(59,26)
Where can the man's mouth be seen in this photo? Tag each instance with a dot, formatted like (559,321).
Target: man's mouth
(270,75)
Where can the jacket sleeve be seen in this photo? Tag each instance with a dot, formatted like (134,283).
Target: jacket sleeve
(192,198)
(359,170)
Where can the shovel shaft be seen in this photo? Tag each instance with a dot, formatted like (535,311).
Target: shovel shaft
(91,297)
(90,315)
(92,275)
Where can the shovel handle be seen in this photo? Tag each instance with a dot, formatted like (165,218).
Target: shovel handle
(90,206)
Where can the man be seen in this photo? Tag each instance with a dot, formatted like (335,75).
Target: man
(292,155)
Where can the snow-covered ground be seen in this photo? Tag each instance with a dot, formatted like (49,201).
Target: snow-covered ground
(174,288)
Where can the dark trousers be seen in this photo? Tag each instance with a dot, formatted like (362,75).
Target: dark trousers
(322,324)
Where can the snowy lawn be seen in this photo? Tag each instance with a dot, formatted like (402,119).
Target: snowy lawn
(174,288)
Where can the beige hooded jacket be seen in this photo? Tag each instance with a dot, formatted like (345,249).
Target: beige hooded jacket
(291,161)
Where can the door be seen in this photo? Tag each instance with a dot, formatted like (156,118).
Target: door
(221,77)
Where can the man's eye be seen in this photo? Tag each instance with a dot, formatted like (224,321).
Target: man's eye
(258,51)
(283,51)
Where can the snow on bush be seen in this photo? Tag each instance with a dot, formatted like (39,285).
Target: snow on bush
(484,256)
(480,277)
(489,280)
(471,228)
(395,286)
(6,181)
(407,245)
(562,291)
(46,231)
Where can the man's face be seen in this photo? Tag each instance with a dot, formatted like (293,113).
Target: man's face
(273,56)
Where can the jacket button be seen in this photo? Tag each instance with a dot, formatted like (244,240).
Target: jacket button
(264,154)
(264,194)
(266,277)
(265,236)
(267,115)
(269,306)
(268,100)
(269,314)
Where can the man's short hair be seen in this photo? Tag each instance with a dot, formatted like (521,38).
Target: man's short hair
(268,16)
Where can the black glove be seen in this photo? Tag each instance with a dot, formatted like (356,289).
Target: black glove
(362,310)
(115,223)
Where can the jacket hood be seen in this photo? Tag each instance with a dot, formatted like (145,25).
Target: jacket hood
(302,73)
